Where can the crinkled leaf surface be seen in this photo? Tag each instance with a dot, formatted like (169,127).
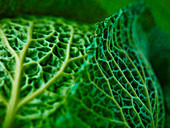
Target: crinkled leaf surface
(121,76)
(38,59)
(53,74)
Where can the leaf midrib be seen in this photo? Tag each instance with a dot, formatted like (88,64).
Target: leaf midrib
(13,102)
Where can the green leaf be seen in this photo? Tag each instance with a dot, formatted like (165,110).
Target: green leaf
(38,58)
(119,74)
(59,73)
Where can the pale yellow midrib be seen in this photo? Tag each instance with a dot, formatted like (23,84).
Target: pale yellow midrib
(11,108)
(13,102)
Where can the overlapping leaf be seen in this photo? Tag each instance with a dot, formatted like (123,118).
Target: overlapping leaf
(53,74)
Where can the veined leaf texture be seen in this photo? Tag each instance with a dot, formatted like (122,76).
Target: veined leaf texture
(60,73)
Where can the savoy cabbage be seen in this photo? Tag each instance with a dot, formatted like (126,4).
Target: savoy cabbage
(59,73)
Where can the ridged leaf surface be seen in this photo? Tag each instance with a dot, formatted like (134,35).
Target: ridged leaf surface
(59,73)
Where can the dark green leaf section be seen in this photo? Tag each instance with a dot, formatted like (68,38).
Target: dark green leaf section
(160,59)
(119,69)
(88,10)
(160,10)
(84,10)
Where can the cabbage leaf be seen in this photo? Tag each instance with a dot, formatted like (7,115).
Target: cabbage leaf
(59,73)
